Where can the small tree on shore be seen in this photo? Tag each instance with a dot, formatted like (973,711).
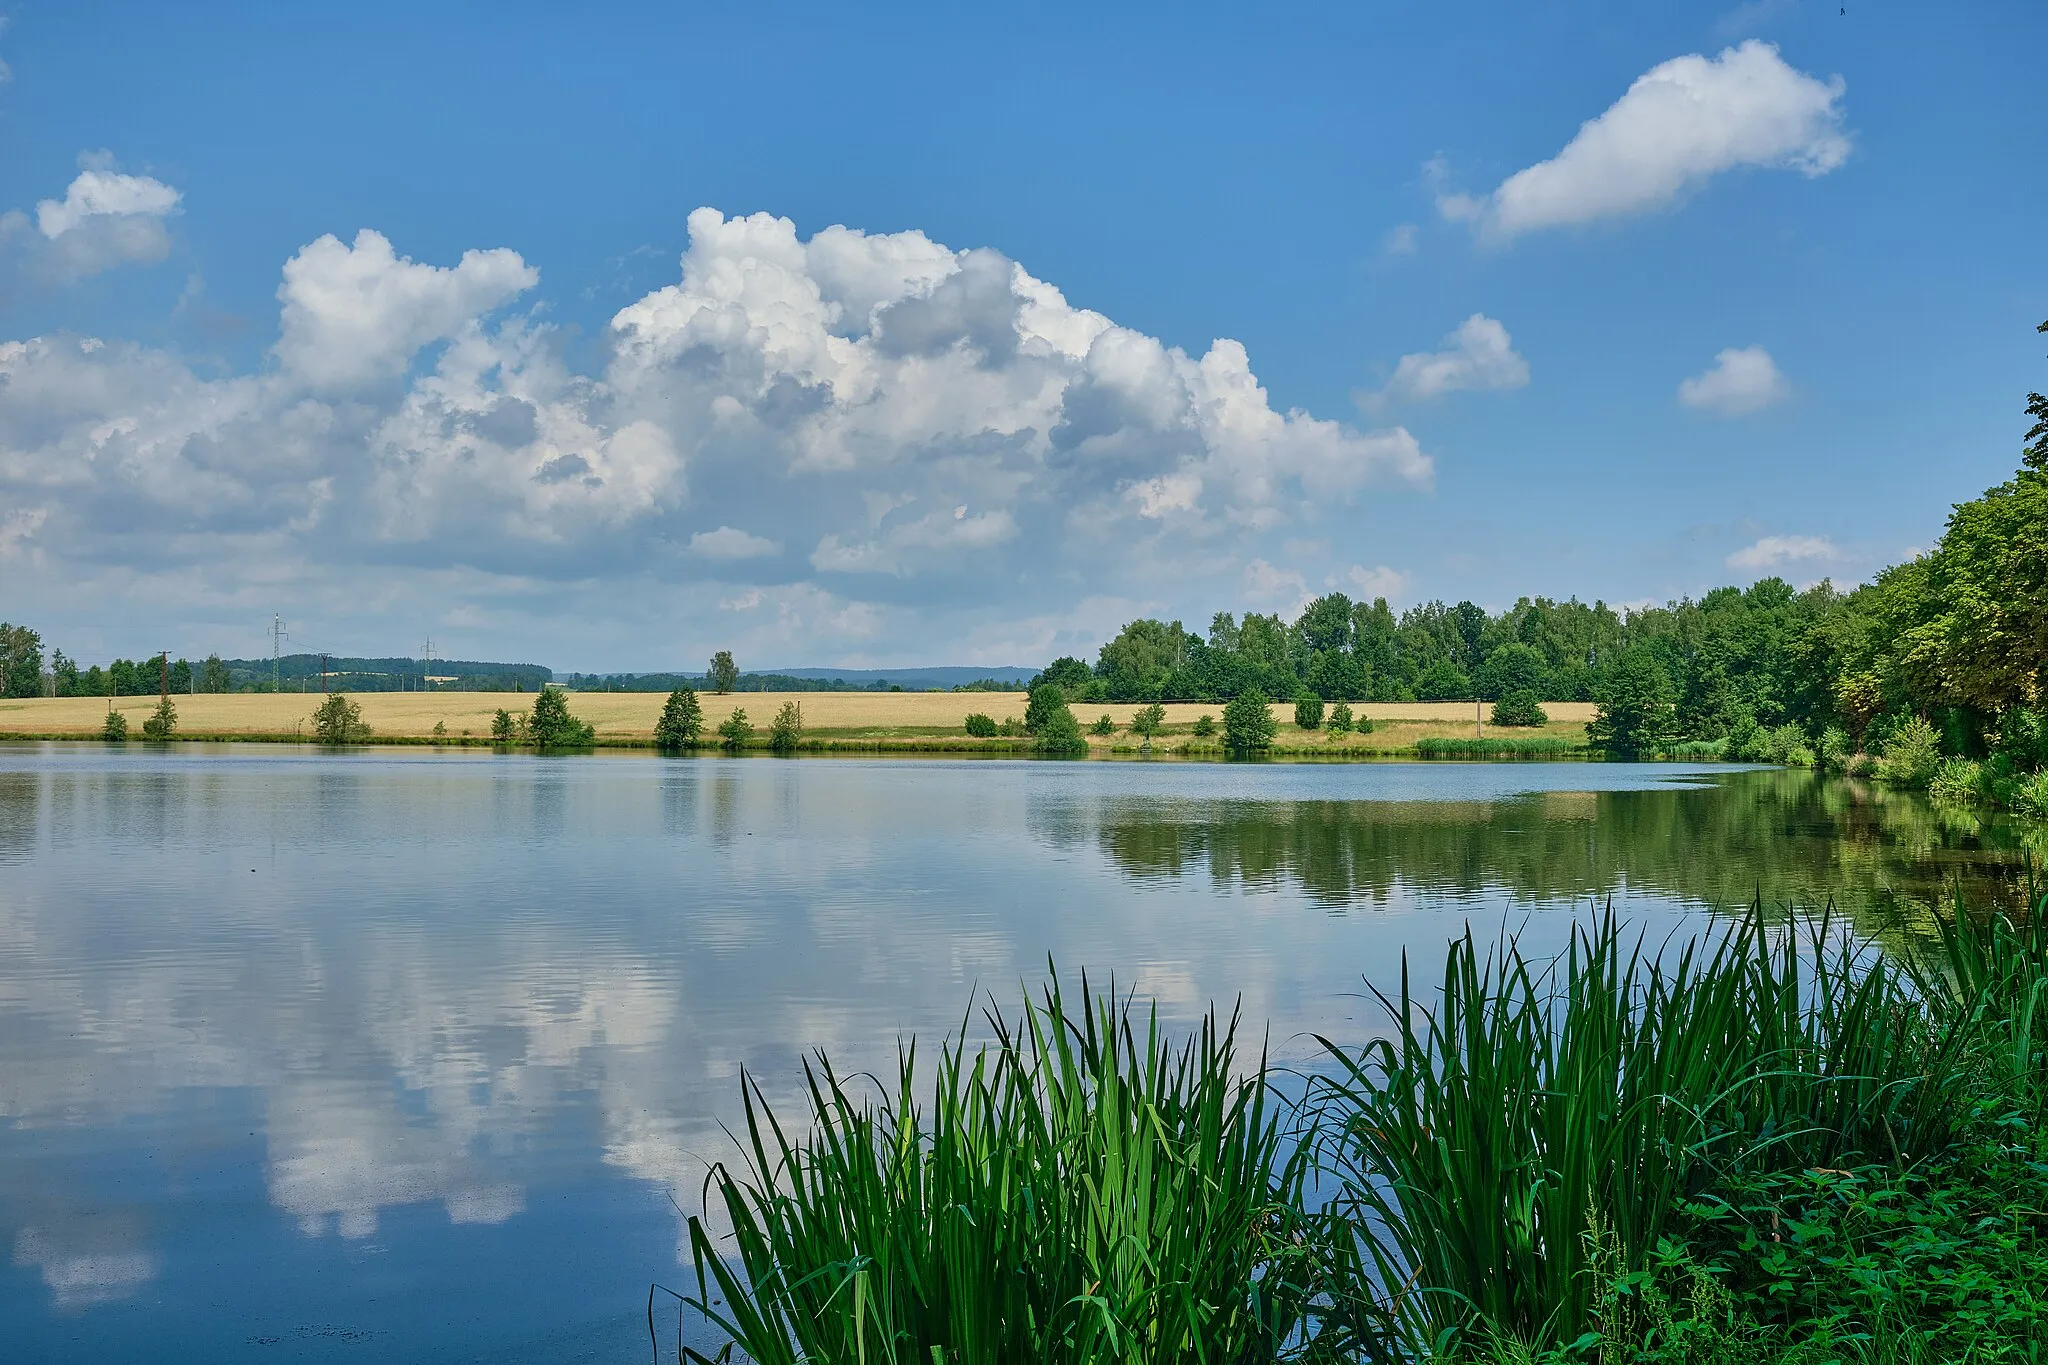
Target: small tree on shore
(1045,700)
(1308,711)
(1248,724)
(1205,725)
(724,674)
(981,725)
(504,730)
(340,721)
(1520,707)
(682,721)
(1635,714)
(1059,734)
(1148,722)
(115,728)
(736,729)
(552,727)
(162,722)
(1340,718)
(787,728)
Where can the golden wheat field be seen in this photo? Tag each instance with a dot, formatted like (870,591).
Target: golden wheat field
(626,716)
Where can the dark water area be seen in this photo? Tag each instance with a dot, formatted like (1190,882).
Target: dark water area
(416,1057)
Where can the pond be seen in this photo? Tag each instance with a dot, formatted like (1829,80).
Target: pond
(404,1056)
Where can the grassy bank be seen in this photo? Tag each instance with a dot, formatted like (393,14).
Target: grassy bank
(1769,1146)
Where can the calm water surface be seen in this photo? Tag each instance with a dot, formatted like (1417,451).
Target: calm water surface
(412,1057)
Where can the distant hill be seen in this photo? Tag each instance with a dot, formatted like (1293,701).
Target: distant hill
(945,677)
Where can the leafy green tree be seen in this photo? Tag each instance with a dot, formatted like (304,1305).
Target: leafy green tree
(682,721)
(1205,725)
(214,676)
(552,727)
(1103,725)
(124,679)
(1066,672)
(980,725)
(21,661)
(1045,700)
(1635,715)
(1520,707)
(787,728)
(736,730)
(340,721)
(1443,681)
(115,729)
(1148,722)
(1059,734)
(724,674)
(1248,725)
(1514,667)
(1911,755)
(1340,718)
(181,676)
(1308,711)
(504,730)
(162,722)
(64,675)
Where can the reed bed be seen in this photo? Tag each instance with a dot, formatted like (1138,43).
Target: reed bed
(1771,1144)
(1545,746)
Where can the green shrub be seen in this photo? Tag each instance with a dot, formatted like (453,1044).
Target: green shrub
(1956,780)
(1248,725)
(2030,796)
(981,726)
(340,721)
(114,729)
(787,728)
(682,721)
(1013,728)
(552,727)
(736,730)
(1308,711)
(162,722)
(1520,707)
(1059,734)
(1859,765)
(503,729)
(1044,700)
(1148,721)
(1530,746)
(1833,751)
(1340,718)
(1103,725)
(1910,755)
(1205,725)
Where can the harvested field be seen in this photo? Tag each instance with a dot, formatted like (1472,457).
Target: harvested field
(625,717)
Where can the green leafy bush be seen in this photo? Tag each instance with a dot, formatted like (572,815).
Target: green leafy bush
(338,720)
(114,729)
(1059,734)
(981,726)
(162,723)
(1958,781)
(736,730)
(1045,699)
(1148,721)
(682,721)
(1833,751)
(1248,725)
(552,727)
(1103,725)
(787,728)
(1910,755)
(1519,708)
(504,730)
(1308,711)
(1340,718)
(2030,796)
(1205,725)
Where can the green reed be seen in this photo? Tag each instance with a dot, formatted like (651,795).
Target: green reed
(1527,746)
(1082,1189)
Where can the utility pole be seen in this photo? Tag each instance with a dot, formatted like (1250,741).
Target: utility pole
(277,634)
(163,659)
(323,672)
(427,666)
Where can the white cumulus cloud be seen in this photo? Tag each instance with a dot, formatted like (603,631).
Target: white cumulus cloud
(361,312)
(730,543)
(1776,551)
(105,219)
(1681,123)
(1741,380)
(1478,355)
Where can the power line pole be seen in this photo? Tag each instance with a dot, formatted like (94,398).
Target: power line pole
(164,682)
(323,672)
(427,666)
(277,634)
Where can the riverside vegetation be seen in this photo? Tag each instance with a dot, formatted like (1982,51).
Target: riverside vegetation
(1767,1145)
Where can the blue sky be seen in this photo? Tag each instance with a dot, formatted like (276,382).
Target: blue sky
(1159,311)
